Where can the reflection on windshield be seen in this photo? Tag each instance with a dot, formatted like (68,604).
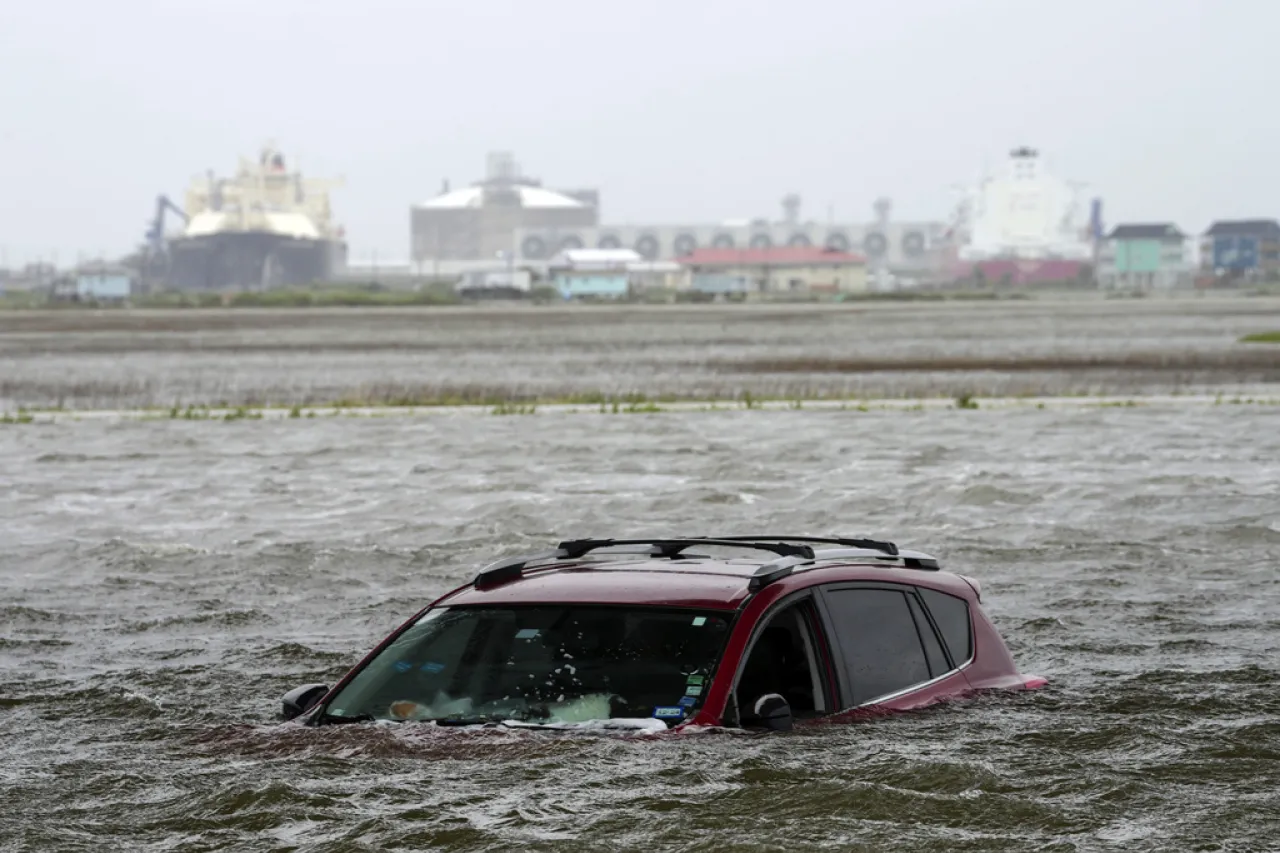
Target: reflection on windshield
(555,664)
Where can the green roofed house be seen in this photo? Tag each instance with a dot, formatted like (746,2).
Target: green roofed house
(1145,257)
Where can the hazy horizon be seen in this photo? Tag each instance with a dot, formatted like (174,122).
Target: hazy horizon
(674,112)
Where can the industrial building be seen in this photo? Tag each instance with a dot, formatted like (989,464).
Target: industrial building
(905,247)
(481,221)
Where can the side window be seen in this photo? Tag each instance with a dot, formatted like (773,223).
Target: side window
(951,614)
(784,660)
(878,641)
(932,648)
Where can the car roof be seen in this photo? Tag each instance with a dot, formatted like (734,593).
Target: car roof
(684,583)
(695,581)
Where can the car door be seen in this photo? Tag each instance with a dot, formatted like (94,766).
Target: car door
(885,644)
(788,653)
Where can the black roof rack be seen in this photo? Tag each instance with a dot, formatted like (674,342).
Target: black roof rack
(791,551)
(873,544)
(671,547)
(573,549)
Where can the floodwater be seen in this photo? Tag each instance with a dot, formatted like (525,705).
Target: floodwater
(126,359)
(163,582)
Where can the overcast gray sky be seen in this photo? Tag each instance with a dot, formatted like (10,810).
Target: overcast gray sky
(678,110)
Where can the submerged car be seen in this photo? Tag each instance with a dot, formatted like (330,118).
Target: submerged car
(659,634)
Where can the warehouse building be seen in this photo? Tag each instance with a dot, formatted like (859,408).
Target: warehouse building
(479,221)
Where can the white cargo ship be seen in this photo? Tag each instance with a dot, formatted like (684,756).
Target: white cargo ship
(265,227)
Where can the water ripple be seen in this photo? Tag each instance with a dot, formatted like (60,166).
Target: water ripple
(164,582)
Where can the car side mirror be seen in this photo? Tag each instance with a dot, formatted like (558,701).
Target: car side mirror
(299,700)
(773,712)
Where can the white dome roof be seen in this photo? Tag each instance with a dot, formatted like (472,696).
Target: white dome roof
(529,197)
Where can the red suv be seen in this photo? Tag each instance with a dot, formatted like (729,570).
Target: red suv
(659,633)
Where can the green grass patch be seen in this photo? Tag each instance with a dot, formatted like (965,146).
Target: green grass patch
(515,409)
(1262,338)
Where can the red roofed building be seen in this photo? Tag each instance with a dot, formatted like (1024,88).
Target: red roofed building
(781,269)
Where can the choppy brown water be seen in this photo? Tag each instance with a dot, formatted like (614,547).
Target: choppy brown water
(83,359)
(162,583)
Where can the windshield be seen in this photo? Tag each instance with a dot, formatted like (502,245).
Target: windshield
(553,664)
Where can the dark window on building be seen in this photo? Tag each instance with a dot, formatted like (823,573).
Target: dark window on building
(951,615)
(878,641)
(932,648)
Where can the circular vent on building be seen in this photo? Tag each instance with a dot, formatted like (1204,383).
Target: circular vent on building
(573,241)
(723,241)
(837,242)
(760,241)
(647,247)
(685,244)
(534,248)
(609,241)
(913,244)
(875,245)
(799,240)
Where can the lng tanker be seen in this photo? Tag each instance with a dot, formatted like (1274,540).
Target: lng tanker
(265,227)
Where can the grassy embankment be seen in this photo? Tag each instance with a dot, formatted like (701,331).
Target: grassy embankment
(310,298)
(1176,372)
(634,404)
(1262,338)
(373,297)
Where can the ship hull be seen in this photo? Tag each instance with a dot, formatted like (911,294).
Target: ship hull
(250,261)
(1022,271)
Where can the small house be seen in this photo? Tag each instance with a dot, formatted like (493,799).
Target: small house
(1247,248)
(1150,256)
(776,270)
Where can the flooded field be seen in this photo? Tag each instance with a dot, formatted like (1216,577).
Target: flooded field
(163,582)
(117,359)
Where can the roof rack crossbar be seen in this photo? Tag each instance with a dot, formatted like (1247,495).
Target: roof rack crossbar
(511,568)
(789,555)
(847,542)
(672,547)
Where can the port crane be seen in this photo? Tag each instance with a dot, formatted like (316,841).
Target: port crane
(155,233)
(152,259)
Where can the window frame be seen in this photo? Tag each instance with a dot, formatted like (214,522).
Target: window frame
(380,652)
(833,633)
(824,651)
(942,639)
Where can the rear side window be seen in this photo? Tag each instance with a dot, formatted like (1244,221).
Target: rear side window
(932,648)
(878,641)
(952,617)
